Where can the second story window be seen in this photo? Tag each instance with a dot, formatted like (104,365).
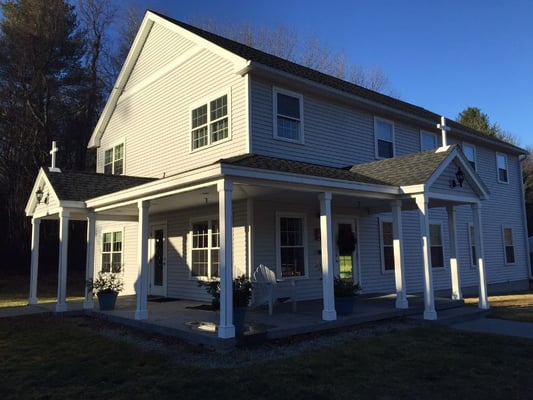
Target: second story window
(114,160)
(384,134)
(288,116)
(470,152)
(428,141)
(209,122)
(501,161)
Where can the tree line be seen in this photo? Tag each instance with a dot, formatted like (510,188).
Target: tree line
(58,63)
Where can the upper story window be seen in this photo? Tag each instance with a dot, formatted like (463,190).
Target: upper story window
(114,160)
(291,245)
(501,161)
(428,141)
(205,248)
(470,152)
(112,251)
(210,122)
(384,134)
(288,116)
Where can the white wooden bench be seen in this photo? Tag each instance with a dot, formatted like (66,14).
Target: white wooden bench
(267,288)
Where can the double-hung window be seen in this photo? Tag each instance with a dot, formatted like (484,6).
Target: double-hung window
(470,152)
(205,248)
(288,116)
(501,164)
(428,141)
(384,135)
(114,160)
(435,240)
(387,248)
(210,122)
(508,245)
(112,251)
(473,252)
(291,245)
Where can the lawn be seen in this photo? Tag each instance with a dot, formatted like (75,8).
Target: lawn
(58,358)
(515,307)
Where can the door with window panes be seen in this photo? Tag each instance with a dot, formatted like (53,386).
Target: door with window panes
(346,250)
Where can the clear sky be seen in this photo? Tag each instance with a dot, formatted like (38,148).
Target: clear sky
(443,55)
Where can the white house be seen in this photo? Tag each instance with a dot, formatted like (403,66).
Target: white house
(214,157)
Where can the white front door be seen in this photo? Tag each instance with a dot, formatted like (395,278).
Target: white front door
(158,260)
(346,256)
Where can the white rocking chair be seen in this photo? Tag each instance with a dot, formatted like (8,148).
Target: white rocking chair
(267,289)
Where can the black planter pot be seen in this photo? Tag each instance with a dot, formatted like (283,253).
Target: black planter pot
(344,305)
(107,300)
(239,315)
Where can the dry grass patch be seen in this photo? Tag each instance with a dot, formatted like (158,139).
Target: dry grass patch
(514,307)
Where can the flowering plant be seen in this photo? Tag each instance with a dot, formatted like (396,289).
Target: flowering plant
(106,282)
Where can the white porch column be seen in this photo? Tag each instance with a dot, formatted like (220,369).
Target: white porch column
(61,304)
(88,303)
(328,263)
(480,252)
(226,329)
(34,273)
(454,267)
(429,297)
(141,312)
(399,268)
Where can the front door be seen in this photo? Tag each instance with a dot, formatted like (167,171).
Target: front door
(346,250)
(158,260)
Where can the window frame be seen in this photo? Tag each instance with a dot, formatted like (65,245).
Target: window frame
(432,246)
(112,251)
(305,245)
(207,102)
(431,134)
(384,270)
(505,245)
(114,160)
(377,139)
(210,219)
(504,157)
(299,96)
(472,247)
(474,151)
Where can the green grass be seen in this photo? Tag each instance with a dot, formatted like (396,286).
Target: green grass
(60,358)
(514,307)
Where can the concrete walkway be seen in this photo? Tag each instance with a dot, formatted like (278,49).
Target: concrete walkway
(497,327)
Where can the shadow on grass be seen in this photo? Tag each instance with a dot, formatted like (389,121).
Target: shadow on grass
(513,307)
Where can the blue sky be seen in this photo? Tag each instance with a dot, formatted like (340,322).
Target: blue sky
(440,55)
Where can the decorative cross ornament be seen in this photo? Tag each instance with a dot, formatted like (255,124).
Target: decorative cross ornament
(444,128)
(53,153)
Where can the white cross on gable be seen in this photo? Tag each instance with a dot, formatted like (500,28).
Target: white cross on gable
(444,128)
(53,153)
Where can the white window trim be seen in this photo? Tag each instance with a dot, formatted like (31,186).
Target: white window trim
(275,91)
(209,219)
(280,215)
(112,146)
(470,226)
(498,168)
(475,153)
(113,230)
(376,152)
(444,263)
(382,246)
(504,246)
(207,101)
(437,141)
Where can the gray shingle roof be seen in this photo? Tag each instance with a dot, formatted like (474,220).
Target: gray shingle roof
(406,170)
(411,169)
(80,186)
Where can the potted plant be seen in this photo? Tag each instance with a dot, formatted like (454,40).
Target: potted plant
(107,286)
(242,293)
(345,291)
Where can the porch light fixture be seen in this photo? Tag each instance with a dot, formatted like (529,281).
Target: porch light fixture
(459,178)
(39,194)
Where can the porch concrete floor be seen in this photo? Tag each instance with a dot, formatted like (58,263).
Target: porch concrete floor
(188,321)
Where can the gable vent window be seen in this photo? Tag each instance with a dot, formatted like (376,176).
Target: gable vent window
(114,160)
(210,123)
(288,116)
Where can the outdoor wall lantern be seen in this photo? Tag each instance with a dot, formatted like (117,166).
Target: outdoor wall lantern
(460,177)
(39,194)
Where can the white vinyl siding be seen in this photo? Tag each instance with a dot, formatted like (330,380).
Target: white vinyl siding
(288,115)
(384,136)
(501,166)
